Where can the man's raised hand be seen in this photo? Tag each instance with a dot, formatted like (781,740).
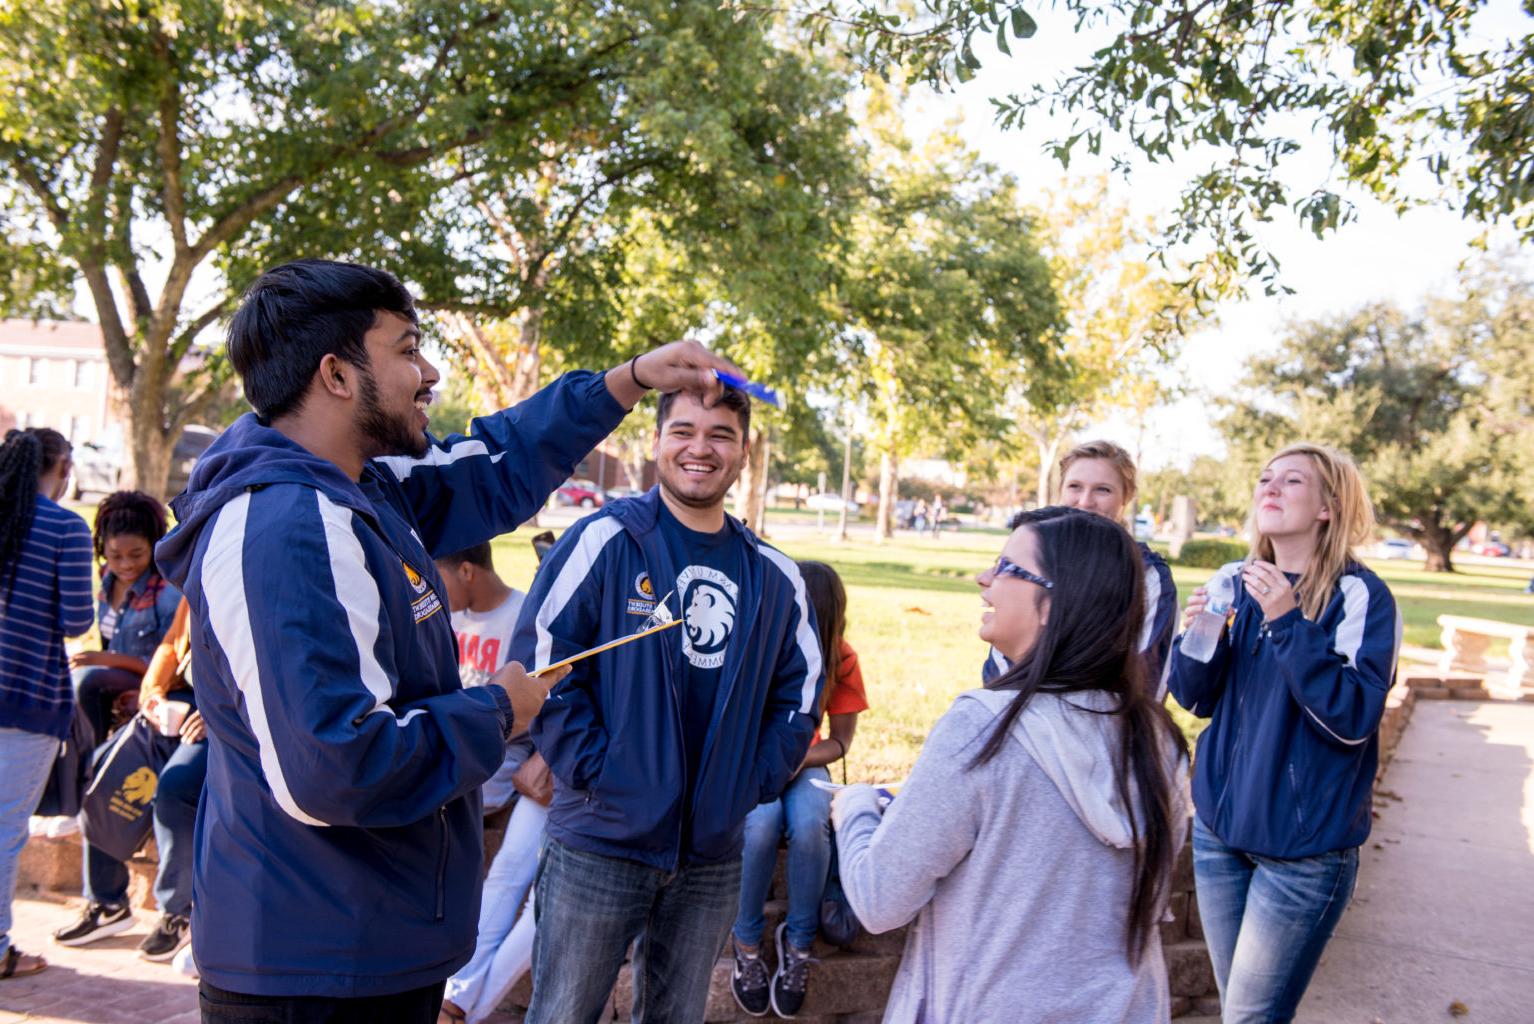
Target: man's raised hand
(679,366)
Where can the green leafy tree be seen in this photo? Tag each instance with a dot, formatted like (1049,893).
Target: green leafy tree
(946,297)
(1434,406)
(159,154)
(1122,320)
(1388,84)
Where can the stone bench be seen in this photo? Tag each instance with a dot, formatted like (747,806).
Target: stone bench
(1466,639)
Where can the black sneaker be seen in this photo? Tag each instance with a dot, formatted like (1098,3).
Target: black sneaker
(792,977)
(170,933)
(97,922)
(748,981)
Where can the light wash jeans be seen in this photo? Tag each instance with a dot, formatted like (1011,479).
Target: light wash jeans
(26,758)
(803,816)
(1266,921)
(503,950)
(591,907)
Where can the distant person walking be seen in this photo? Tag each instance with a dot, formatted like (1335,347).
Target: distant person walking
(45,595)
(1294,692)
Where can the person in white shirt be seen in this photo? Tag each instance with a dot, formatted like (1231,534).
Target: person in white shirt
(485,613)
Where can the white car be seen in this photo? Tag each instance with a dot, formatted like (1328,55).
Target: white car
(830,503)
(1396,548)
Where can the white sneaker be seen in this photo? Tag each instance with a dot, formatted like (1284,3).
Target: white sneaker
(184,964)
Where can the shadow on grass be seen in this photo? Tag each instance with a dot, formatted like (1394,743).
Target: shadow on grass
(898,576)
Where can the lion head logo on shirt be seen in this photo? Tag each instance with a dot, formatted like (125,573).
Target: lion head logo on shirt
(708,601)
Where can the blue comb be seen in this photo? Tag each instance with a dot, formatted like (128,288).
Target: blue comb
(760,392)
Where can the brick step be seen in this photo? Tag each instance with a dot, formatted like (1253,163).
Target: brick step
(53,867)
(843,983)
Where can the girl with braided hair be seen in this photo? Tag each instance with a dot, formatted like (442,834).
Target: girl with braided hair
(45,595)
(134,609)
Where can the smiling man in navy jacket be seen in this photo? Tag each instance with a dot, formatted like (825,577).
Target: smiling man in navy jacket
(661,747)
(338,844)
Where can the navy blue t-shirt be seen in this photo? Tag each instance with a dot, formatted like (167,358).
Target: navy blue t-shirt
(709,567)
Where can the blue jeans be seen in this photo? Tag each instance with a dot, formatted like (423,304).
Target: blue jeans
(1267,921)
(803,815)
(590,908)
(175,817)
(97,690)
(26,758)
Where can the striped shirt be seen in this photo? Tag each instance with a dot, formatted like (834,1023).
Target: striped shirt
(49,600)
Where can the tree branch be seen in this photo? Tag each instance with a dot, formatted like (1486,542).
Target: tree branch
(200,323)
(168,144)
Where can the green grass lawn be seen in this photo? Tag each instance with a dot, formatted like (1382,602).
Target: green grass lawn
(913,609)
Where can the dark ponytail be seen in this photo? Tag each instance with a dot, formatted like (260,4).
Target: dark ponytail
(24,457)
(1091,642)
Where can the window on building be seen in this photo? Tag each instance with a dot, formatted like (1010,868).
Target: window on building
(74,430)
(82,371)
(34,371)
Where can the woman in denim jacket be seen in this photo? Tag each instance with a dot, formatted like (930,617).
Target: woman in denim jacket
(134,609)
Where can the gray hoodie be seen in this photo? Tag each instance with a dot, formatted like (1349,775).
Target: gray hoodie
(1017,873)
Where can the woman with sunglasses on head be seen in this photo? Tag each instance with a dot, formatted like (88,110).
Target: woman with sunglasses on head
(1294,691)
(1034,841)
(1099,476)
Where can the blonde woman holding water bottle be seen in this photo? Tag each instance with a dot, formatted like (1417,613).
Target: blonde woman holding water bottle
(1294,691)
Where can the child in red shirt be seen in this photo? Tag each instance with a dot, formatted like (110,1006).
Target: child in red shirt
(802,815)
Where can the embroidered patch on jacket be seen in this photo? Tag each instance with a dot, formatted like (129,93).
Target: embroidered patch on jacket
(427,603)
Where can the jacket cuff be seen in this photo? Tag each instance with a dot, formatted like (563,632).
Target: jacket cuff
(607,407)
(503,705)
(1286,621)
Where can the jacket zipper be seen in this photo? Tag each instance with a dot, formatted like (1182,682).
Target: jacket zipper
(442,865)
(1235,747)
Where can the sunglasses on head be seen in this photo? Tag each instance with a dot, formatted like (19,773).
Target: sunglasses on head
(1006,567)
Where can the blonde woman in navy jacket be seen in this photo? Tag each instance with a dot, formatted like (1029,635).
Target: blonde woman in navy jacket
(1294,693)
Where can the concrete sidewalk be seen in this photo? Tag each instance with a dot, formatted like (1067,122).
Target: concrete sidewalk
(1444,911)
(103,983)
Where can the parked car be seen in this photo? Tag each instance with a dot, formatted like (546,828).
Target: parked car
(583,493)
(98,468)
(1492,549)
(614,493)
(1145,528)
(1395,548)
(830,503)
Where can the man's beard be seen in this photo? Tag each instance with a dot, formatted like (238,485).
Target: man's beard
(708,501)
(386,434)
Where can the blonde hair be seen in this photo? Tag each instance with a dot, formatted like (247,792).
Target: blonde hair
(1350,523)
(1108,452)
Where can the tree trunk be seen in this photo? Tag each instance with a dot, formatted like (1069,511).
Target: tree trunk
(149,445)
(841,516)
(1439,541)
(751,491)
(889,485)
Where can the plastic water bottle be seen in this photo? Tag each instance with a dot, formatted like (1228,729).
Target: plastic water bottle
(1203,634)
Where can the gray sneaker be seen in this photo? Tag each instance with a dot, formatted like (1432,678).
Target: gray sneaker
(791,980)
(748,980)
(170,933)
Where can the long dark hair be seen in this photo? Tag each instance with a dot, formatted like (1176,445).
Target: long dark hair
(130,514)
(1091,642)
(828,598)
(24,457)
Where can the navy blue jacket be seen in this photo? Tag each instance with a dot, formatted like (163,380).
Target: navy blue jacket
(1286,767)
(1155,634)
(338,849)
(611,730)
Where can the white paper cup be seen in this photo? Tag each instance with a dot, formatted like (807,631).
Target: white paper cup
(169,716)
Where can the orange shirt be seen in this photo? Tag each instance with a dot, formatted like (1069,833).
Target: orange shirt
(848,698)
